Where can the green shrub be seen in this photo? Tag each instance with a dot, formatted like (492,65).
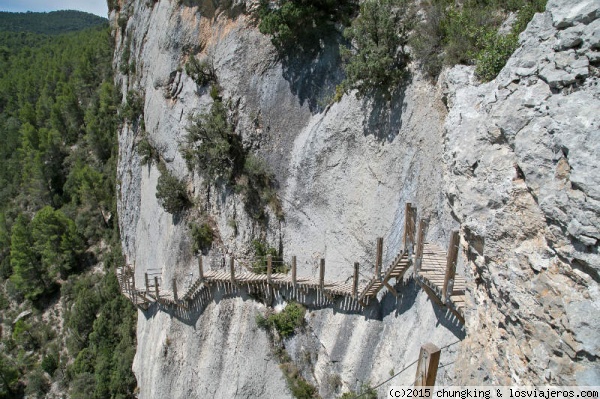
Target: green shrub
(378,58)
(262,321)
(113,5)
(50,362)
(37,384)
(215,92)
(301,24)
(258,185)
(22,335)
(122,21)
(365,391)
(171,192)
(147,152)
(216,150)
(467,33)
(284,322)
(300,388)
(213,146)
(202,237)
(9,383)
(261,250)
(124,66)
(492,58)
(427,39)
(497,48)
(202,72)
(133,109)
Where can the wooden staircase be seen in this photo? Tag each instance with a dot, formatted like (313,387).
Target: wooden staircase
(434,270)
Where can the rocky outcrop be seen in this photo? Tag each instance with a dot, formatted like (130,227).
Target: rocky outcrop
(523,158)
(512,162)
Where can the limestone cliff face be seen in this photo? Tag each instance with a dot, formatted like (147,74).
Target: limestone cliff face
(512,163)
(522,153)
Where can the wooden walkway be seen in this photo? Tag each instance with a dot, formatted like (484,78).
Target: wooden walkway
(432,277)
(434,270)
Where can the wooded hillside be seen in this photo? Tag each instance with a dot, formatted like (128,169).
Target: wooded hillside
(59,114)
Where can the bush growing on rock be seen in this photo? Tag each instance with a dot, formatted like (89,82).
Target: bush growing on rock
(377,57)
(216,150)
(171,192)
(147,152)
(262,249)
(284,322)
(293,23)
(203,72)
(468,33)
(213,146)
(202,237)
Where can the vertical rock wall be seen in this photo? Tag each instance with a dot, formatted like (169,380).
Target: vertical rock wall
(522,153)
(512,163)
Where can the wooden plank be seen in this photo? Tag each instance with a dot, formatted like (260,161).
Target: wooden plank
(322,274)
(294,270)
(269,268)
(355,281)
(423,224)
(429,358)
(232,269)
(409,235)
(450,265)
(379,257)
(156,289)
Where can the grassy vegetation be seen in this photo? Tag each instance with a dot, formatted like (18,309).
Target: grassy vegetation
(467,33)
(284,324)
(58,125)
(378,36)
(365,391)
(215,149)
(202,236)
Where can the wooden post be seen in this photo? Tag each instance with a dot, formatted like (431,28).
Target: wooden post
(200,269)
(269,268)
(355,281)
(322,274)
(379,258)
(174,290)
(429,358)
(156,288)
(450,266)
(294,271)
(147,283)
(232,269)
(420,244)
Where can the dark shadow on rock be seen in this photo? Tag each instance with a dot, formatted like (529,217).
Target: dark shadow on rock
(383,117)
(448,320)
(314,72)
(407,295)
(189,311)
